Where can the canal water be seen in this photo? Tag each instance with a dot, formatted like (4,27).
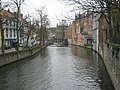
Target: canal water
(57,68)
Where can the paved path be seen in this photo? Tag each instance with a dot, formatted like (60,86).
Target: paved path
(10,50)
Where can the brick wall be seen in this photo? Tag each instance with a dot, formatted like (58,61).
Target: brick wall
(80,30)
(103,25)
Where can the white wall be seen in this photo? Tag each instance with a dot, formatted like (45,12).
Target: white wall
(95,31)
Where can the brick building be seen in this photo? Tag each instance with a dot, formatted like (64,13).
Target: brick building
(103,26)
(80,29)
(68,33)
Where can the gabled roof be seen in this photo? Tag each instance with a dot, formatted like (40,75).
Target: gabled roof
(8,13)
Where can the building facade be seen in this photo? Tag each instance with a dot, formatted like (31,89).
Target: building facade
(68,34)
(103,27)
(80,31)
(88,29)
(9,26)
(95,29)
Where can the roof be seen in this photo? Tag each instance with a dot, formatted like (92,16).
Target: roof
(8,13)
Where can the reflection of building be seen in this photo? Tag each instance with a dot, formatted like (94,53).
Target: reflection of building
(10,33)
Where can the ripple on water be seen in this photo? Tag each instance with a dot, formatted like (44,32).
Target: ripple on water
(57,68)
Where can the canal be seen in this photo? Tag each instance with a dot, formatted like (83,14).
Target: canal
(57,68)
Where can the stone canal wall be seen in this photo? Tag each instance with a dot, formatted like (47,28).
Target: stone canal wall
(111,58)
(15,56)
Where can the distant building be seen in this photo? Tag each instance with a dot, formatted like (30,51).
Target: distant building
(52,34)
(68,33)
(80,29)
(60,31)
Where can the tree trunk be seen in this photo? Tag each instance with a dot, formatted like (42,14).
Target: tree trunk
(2,34)
(110,23)
(27,41)
(17,17)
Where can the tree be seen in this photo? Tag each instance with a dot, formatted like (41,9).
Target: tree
(109,8)
(2,7)
(2,31)
(30,24)
(17,4)
(61,29)
(43,23)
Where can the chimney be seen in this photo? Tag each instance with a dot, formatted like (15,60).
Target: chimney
(8,10)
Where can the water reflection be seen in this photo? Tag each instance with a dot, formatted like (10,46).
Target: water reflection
(57,68)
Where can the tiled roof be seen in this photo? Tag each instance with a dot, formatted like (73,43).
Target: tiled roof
(6,13)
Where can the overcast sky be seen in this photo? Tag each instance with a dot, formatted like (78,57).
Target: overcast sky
(55,9)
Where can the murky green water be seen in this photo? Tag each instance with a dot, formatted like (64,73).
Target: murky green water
(57,68)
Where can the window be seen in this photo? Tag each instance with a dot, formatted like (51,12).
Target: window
(75,29)
(14,33)
(10,32)
(14,23)
(6,22)
(81,29)
(10,22)
(6,32)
